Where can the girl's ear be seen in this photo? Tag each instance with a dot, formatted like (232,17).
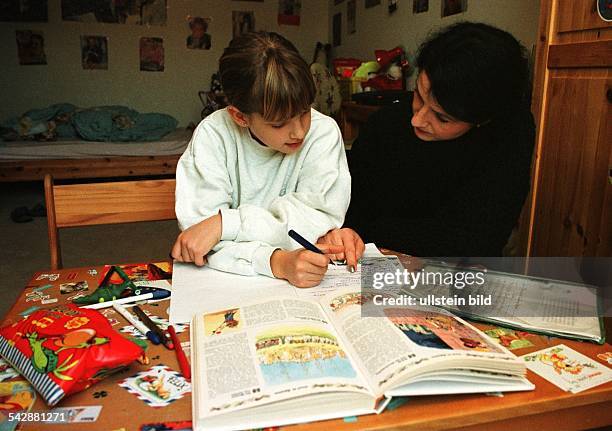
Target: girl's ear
(238,117)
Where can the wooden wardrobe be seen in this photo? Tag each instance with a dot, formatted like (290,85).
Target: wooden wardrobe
(569,210)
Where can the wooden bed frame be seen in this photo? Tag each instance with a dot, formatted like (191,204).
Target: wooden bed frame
(100,167)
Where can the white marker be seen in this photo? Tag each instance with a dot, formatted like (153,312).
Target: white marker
(125,300)
(137,323)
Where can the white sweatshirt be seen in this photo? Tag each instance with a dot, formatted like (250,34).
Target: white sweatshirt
(261,193)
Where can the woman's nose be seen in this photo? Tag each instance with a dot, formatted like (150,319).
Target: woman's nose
(419,117)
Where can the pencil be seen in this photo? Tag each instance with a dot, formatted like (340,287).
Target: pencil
(180,354)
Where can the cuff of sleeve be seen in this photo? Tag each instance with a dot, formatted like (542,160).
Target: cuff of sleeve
(261,260)
(230,224)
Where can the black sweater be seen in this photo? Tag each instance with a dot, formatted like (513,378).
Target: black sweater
(447,198)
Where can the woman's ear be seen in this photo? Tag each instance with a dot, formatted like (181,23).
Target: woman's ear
(239,118)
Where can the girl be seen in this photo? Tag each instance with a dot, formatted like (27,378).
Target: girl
(264,165)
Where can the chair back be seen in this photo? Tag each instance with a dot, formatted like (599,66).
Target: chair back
(91,204)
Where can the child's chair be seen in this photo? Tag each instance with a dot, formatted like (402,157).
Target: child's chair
(91,204)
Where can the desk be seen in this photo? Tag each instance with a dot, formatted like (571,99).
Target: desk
(546,408)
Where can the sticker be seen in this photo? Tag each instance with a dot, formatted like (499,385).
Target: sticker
(79,413)
(158,386)
(78,286)
(170,426)
(6,371)
(112,321)
(159,321)
(510,338)
(107,312)
(100,394)
(29,311)
(186,345)
(92,272)
(15,397)
(41,288)
(50,277)
(606,357)
(48,301)
(72,276)
(566,368)
(78,295)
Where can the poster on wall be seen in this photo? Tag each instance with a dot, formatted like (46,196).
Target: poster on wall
(351,16)
(289,12)
(139,12)
(371,3)
(24,11)
(242,22)
(198,38)
(337,30)
(151,54)
(31,47)
(453,7)
(420,6)
(94,52)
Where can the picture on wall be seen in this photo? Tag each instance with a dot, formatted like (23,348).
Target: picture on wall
(419,6)
(371,3)
(289,12)
(337,30)
(94,52)
(151,54)
(242,22)
(139,12)
(198,39)
(351,16)
(31,47)
(453,7)
(337,2)
(24,11)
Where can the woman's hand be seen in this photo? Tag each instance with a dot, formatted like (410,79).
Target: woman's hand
(350,240)
(194,243)
(302,268)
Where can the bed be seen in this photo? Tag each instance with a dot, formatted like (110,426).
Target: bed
(69,159)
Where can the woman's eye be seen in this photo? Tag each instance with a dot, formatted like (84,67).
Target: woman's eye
(441,119)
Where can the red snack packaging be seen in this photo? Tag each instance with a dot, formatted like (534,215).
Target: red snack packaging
(65,349)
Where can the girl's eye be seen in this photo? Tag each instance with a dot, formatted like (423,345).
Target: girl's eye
(277,126)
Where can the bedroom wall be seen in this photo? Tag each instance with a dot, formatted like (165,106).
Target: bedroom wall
(376,29)
(173,91)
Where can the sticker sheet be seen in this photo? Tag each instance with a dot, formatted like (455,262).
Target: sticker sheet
(158,386)
(566,368)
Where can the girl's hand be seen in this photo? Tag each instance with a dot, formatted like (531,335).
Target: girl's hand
(194,243)
(302,268)
(350,240)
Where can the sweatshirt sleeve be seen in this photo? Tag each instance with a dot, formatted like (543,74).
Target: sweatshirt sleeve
(202,189)
(318,204)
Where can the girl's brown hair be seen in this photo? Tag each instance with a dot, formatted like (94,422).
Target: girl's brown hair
(263,73)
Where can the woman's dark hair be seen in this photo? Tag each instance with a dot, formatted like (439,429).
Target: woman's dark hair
(264,73)
(477,72)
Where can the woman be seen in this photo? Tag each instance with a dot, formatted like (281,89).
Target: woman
(446,173)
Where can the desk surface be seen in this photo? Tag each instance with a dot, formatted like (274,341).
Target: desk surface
(545,408)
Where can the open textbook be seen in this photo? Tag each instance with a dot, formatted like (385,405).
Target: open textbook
(287,360)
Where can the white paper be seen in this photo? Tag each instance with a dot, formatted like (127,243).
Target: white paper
(203,289)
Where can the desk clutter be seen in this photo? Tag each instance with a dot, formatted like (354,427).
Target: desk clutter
(95,367)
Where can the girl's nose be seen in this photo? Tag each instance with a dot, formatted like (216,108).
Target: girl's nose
(419,117)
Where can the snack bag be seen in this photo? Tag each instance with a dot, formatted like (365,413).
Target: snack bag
(65,349)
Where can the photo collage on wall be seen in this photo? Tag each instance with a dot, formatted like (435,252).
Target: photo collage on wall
(138,12)
(289,12)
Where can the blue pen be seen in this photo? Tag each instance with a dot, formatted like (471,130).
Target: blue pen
(141,327)
(306,244)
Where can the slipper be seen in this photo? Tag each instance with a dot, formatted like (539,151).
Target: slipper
(38,210)
(21,215)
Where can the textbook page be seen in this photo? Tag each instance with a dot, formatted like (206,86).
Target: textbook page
(266,352)
(401,344)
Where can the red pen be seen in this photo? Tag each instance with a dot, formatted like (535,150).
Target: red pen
(180,355)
